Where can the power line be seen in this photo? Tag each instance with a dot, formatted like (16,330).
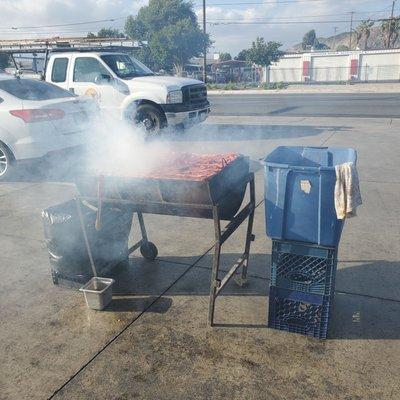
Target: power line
(286,22)
(262,2)
(289,18)
(68,24)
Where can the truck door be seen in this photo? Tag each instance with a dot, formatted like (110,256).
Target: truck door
(90,77)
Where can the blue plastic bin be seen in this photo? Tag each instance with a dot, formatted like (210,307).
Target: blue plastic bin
(299,193)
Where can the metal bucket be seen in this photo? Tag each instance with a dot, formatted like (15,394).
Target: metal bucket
(98,292)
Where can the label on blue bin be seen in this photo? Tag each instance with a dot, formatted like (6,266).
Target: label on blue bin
(305,186)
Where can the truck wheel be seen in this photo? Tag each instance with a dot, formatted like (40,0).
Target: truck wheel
(151,119)
(7,162)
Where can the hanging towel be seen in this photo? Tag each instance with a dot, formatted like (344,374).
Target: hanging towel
(347,190)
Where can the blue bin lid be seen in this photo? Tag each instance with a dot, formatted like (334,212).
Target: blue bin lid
(310,157)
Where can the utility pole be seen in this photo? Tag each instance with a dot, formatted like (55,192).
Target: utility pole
(335,29)
(351,28)
(391,25)
(205,46)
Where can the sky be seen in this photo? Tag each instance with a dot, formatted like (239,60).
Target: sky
(233,24)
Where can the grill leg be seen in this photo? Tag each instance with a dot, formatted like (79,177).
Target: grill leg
(249,234)
(215,266)
(142,227)
(87,244)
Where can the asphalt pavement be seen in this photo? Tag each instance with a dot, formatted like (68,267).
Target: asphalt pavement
(357,105)
(154,342)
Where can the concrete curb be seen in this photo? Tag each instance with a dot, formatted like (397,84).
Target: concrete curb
(358,88)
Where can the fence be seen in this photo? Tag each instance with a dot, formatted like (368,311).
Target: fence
(235,75)
(363,73)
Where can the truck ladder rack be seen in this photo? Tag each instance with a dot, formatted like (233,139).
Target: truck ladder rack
(67,45)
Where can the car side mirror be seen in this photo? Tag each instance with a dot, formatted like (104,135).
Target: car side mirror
(102,79)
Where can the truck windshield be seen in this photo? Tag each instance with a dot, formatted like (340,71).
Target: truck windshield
(125,66)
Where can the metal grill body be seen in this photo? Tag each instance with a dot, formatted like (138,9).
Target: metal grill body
(219,199)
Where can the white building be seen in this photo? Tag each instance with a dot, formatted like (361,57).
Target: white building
(336,66)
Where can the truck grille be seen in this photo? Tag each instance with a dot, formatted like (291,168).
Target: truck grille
(195,96)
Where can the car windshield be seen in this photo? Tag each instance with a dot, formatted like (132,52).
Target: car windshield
(125,66)
(30,89)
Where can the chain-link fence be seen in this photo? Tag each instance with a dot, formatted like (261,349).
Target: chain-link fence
(365,73)
(250,75)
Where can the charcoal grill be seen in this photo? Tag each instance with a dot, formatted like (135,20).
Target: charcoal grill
(218,198)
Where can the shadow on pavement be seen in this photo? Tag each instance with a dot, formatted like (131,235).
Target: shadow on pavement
(62,166)
(232,132)
(355,315)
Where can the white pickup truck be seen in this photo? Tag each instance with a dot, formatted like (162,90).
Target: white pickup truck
(127,88)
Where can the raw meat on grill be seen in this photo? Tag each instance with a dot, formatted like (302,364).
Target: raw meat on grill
(182,166)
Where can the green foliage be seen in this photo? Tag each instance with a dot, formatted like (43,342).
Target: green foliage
(242,56)
(309,40)
(342,47)
(321,46)
(264,53)
(106,33)
(232,86)
(109,33)
(275,85)
(364,30)
(390,30)
(225,57)
(171,30)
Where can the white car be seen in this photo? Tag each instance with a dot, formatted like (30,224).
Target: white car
(37,118)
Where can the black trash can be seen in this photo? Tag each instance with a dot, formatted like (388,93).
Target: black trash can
(68,255)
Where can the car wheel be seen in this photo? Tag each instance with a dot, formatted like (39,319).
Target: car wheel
(7,162)
(151,119)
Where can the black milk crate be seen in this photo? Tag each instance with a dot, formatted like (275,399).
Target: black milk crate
(298,312)
(303,267)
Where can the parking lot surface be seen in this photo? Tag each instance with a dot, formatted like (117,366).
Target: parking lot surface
(153,341)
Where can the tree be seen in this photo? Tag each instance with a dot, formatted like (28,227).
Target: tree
(106,33)
(309,40)
(171,31)
(225,57)
(264,53)
(321,46)
(242,56)
(364,30)
(390,29)
(342,47)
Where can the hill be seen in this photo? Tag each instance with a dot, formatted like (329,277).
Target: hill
(375,41)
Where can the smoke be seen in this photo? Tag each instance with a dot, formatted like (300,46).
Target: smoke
(119,148)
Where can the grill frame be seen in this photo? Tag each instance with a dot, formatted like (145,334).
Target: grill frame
(216,210)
